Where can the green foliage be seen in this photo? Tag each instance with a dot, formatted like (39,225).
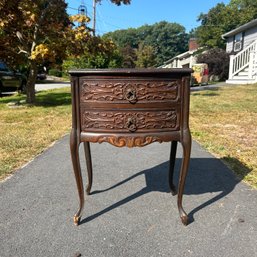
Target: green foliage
(129,57)
(145,56)
(218,62)
(124,37)
(166,39)
(248,8)
(55,72)
(223,18)
(31,33)
(32,30)
(88,60)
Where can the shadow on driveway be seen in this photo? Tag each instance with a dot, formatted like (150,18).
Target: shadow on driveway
(206,175)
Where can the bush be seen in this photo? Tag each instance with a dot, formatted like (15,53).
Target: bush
(89,61)
(218,62)
(55,72)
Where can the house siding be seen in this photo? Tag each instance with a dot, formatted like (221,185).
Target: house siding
(249,36)
(229,46)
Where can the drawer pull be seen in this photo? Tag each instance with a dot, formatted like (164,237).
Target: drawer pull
(131,124)
(131,95)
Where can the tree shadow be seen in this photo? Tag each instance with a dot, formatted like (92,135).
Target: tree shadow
(44,98)
(206,175)
(52,99)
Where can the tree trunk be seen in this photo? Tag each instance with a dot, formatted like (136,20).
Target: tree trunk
(30,89)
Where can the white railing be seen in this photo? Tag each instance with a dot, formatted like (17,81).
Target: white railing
(245,58)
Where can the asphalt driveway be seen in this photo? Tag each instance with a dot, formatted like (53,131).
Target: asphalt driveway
(130,211)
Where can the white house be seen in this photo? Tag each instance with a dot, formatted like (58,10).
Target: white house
(242,46)
(184,60)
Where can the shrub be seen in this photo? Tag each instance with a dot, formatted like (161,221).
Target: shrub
(218,62)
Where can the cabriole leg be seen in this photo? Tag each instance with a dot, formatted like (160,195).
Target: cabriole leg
(186,145)
(74,149)
(173,152)
(89,166)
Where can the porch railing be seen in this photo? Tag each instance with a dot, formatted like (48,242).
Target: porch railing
(246,58)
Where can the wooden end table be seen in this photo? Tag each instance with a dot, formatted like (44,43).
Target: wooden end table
(130,107)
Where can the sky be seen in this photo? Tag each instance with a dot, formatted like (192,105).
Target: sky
(110,17)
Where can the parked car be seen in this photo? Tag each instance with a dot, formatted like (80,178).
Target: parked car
(11,80)
(41,76)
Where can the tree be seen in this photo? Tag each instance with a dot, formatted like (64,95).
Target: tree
(124,37)
(129,57)
(32,32)
(87,51)
(223,18)
(218,62)
(247,9)
(166,39)
(97,53)
(145,56)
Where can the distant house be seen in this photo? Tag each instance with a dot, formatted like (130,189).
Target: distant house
(242,46)
(184,60)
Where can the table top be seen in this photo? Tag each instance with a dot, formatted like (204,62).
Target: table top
(141,71)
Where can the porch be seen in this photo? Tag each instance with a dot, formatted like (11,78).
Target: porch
(243,66)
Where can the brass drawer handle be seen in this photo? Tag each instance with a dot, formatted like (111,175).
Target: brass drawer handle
(131,95)
(131,124)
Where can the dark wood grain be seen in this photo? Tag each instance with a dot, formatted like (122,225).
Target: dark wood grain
(132,108)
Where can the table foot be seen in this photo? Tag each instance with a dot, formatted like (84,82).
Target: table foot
(76,220)
(184,219)
(173,190)
(88,190)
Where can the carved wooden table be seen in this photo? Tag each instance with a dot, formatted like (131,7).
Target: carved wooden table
(130,107)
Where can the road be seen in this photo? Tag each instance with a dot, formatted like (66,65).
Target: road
(46,86)
(53,85)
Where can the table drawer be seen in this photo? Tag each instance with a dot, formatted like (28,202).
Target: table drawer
(129,91)
(129,120)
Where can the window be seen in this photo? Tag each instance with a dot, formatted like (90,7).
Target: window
(238,42)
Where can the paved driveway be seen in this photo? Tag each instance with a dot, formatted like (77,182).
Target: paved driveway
(130,211)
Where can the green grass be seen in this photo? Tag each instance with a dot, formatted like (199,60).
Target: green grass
(224,121)
(27,130)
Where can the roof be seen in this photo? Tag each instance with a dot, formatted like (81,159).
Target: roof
(181,56)
(244,27)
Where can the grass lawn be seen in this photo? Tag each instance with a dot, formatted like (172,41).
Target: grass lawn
(223,120)
(27,130)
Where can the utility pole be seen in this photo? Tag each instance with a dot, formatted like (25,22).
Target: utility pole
(94,16)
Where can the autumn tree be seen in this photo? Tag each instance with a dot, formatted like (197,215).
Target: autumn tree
(32,32)
(87,51)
